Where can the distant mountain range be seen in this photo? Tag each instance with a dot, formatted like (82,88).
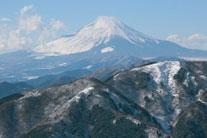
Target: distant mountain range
(104,42)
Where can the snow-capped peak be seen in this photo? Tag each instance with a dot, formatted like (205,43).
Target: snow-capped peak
(101,31)
(109,25)
(107,22)
(106,27)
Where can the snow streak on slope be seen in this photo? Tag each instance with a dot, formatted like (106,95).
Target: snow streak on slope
(107,49)
(60,109)
(99,32)
(163,72)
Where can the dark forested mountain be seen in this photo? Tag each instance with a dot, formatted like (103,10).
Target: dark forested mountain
(85,108)
(157,99)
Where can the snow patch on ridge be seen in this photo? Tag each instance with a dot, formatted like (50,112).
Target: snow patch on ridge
(31,77)
(63,64)
(88,67)
(163,72)
(59,110)
(133,120)
(107,50)
(31,94)
(199,96)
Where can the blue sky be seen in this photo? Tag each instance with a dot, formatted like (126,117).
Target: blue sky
(175,20)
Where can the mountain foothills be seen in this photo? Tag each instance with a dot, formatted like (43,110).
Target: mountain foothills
(107,80)
(154,100)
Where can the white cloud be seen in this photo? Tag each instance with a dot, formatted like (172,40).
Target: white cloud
(107,49)
(28,22)
(28,30)
(193,41)
(15,39)
(2,45)
(57,25)
(51,31)
(173,37)
(197,37)
(31,23)
(26,9)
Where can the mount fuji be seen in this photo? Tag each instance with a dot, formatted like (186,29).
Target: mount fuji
(105,44)
(103,34)
(110,35)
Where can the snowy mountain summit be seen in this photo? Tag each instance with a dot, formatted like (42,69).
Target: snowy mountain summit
(109,35)
(99,32)
(108,27)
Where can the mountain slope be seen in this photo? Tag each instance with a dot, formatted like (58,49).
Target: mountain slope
(164,89)
(152,100)
(85,108)
(194,120)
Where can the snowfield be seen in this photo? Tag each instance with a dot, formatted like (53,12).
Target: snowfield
(94,34)
(107,49)
(163,72)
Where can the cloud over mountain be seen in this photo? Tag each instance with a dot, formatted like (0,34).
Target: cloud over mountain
(194,41)
(28,30)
